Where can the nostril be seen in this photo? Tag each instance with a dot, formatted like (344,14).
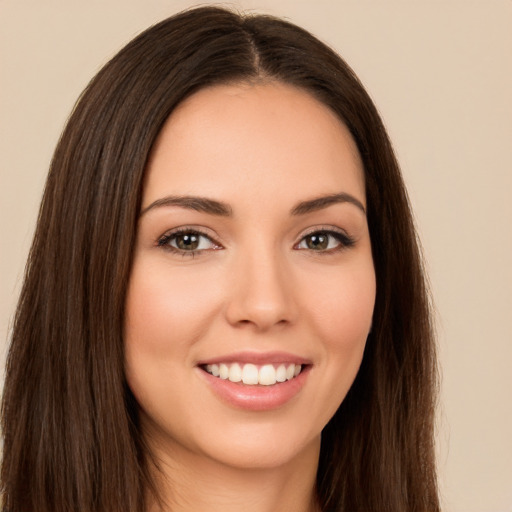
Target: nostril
(260,323)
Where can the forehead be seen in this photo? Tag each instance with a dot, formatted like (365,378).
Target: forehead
(238,140)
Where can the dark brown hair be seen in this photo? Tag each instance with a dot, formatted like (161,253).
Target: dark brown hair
(72,438)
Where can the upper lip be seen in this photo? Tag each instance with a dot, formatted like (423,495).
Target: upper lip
(257,358)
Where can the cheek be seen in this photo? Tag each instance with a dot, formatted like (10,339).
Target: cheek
(342,316)
(166,311)
(166,314)
(342,308)
(337,313)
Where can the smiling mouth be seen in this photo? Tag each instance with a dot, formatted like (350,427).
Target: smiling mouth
(253,375)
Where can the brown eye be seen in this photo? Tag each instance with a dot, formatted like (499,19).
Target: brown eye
(187,241)
(325,241)
(317,241)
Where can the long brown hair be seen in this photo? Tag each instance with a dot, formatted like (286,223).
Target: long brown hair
(72,438)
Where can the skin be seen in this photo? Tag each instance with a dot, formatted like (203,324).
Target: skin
(255,286)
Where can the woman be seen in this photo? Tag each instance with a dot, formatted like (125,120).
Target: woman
(224,303)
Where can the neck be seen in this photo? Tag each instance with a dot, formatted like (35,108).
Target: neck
(196,484)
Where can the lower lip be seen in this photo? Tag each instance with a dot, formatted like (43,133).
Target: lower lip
(256,397)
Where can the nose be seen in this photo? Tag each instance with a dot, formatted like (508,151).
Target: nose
(261,293)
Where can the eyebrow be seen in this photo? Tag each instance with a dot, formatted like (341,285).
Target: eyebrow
(212,207)
(322,202)
(200,204)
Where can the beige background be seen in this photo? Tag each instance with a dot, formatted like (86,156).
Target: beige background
(440,73)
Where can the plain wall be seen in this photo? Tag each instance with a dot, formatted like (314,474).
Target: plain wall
(439,72)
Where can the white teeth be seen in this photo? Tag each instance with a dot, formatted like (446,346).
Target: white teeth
(266,375)
(213,369)
(223,371)
(250,374)
(281,373)
(235,373)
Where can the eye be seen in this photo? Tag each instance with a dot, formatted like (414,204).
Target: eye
(325,241)
(187,241)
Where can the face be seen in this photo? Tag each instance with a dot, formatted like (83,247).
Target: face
(253,286)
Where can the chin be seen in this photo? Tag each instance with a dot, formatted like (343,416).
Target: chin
(249,445)
(265,453)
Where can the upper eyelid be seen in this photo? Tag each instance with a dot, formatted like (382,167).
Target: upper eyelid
(165,237)
(163,241)
(343,237)
(191,229)
(324,229)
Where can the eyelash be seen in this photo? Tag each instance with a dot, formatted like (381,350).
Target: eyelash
(165,240)
(344,241)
